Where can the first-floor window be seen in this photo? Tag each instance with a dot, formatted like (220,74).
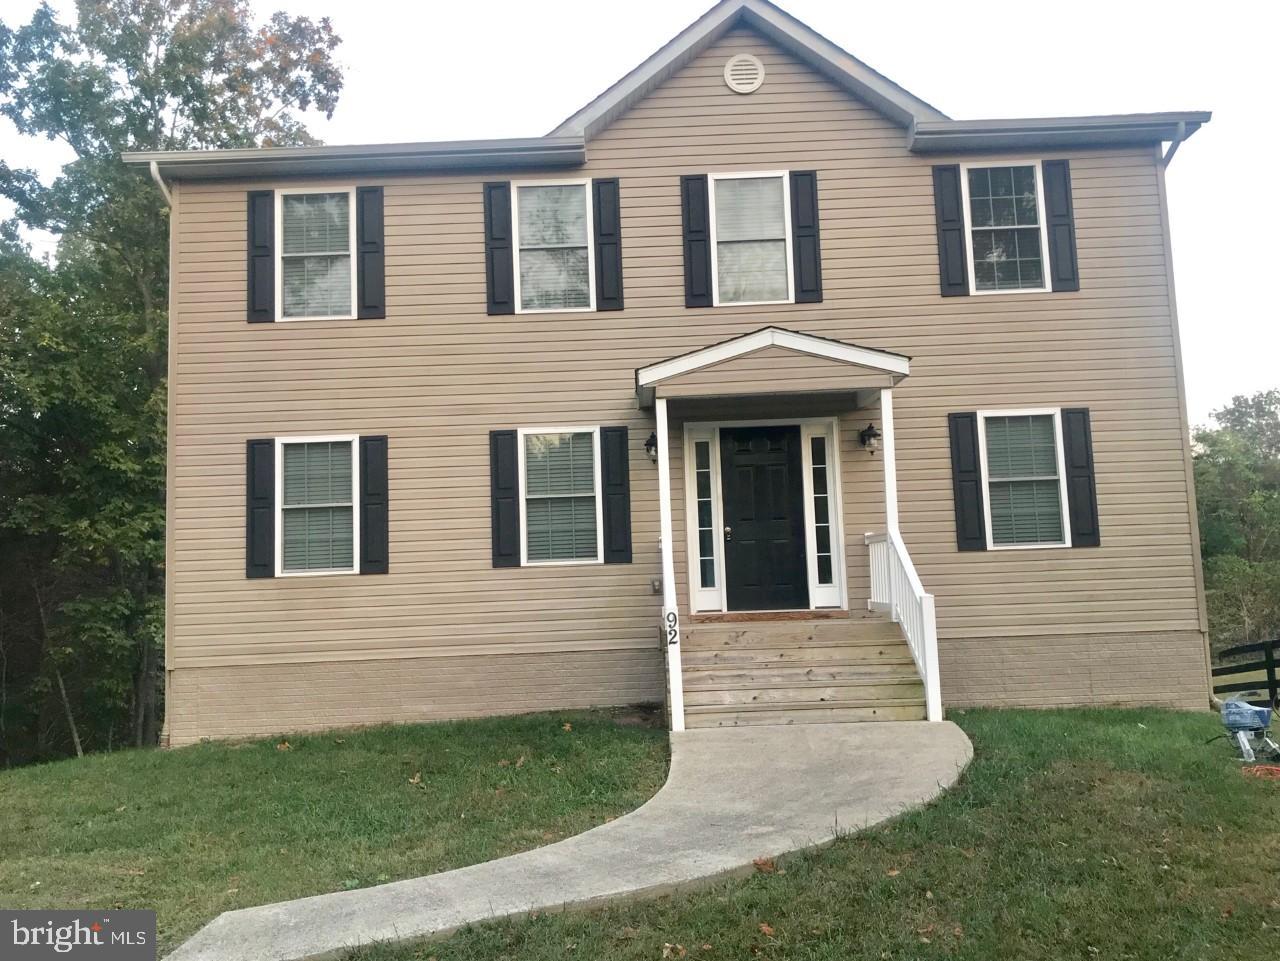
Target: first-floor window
(560,477)
(702,480)
(317,498)
(317,271)
(1006,228)
(553,227)
(1022,463)
(752,243)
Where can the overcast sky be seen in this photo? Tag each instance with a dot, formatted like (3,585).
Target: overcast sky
(429,70)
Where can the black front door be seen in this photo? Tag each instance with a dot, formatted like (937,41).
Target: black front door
(764,555)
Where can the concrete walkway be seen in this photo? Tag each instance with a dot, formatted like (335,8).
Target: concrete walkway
(733,795)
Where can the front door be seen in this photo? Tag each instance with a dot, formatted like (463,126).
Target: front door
(764,543)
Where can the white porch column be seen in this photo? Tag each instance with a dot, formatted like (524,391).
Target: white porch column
(670,611)
(890,461)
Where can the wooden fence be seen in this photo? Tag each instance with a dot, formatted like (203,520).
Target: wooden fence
(1252,676)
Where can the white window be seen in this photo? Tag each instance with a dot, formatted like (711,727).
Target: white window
(560,491)
(1026,499)
(317,526)
(316,272)
(554,260)
(751,238)
(1004,216)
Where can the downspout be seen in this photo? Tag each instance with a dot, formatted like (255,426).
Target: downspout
(164,187)
(1180,136)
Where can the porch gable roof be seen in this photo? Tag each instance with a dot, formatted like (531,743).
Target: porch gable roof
(859,360)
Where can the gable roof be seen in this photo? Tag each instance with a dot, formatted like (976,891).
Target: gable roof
(786,31)
(885,361)
(928,129)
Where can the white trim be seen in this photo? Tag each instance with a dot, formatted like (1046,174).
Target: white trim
(278,253)
(1056,414)
(591,245)
(1036,164)
(834,595)
(670,625)
(703,598)
(280,444)
(890,451)
(895,364)
(785,177)
(521,434)
(716,600)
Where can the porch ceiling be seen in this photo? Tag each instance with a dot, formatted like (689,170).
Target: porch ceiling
(770,361)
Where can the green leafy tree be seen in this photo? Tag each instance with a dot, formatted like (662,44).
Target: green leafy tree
(82,340)
(1237,470)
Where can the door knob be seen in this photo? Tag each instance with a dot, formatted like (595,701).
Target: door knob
(728,532)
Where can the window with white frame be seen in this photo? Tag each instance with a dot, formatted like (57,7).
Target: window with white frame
(316,275)
(702,481)
(751,234)
(553,247)
(821,481)
(317,491)
(560,477)
(1022,467)
(1007,239)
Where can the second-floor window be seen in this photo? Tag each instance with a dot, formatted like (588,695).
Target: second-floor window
(751,238)
(1005,216)
(316,275)
(553,247)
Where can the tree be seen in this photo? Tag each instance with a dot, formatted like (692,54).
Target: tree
(1237,470)
(82,341)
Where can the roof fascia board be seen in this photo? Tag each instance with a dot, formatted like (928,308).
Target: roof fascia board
(1120,129)
(783,29)
(347,159)
(895,364)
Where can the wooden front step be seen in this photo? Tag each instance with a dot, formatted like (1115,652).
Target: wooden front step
(799,671)
(801,714)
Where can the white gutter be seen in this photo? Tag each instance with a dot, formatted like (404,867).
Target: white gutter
(164,188)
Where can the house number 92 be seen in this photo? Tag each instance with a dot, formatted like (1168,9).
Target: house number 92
(673,627)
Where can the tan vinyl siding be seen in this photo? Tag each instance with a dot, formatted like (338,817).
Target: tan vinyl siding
(438,374)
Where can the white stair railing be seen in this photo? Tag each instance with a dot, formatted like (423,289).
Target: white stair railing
(896,590)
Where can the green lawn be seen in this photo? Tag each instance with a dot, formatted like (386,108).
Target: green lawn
(1110,835)
(205,829)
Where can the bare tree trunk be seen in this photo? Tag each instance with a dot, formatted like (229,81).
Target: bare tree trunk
(57,672)
(66,706)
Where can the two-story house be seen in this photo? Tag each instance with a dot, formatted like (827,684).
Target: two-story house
(758,386)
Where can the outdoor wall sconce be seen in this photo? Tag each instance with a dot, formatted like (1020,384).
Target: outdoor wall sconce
(651,448)
(869,438)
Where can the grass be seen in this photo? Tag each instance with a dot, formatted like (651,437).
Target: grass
(205,829)
(1093,834)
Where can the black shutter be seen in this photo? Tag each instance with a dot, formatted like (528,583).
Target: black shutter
(371,284)
(966,482)
(696,216)
(607,212)
(260,509)
(504,494)
(948,210)
(615,486)
(1082,492)
(373,505)
(805,245)
(262,256)
(1064,273)
(499,269)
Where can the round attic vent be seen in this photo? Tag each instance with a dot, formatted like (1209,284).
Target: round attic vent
(744,73)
